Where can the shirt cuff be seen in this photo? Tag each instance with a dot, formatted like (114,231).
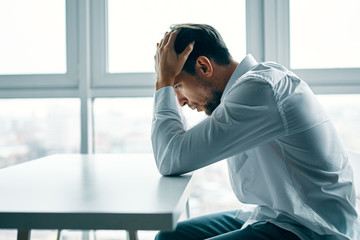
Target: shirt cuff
(164,99)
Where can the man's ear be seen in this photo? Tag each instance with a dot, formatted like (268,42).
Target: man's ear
(204,66)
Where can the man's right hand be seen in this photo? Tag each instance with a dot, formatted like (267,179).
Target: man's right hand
(168,64)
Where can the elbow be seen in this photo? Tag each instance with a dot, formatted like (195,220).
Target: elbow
(167,167)
(167,173)
(165,170)
(171,173)
(167,156)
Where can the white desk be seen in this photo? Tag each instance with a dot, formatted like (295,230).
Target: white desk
(91,192)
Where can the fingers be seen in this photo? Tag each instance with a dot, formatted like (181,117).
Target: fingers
(171,38)
(164,40)
(185,54)
(168,40)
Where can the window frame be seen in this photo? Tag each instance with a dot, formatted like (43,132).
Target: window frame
(277,48)
(8,83)
(267,39)
(101,78)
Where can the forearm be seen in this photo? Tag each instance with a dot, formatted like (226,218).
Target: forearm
(167,129)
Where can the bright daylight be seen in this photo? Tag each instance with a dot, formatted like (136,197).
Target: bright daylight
(165,119)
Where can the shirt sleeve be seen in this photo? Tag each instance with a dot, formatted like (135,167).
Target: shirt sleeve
(247,117)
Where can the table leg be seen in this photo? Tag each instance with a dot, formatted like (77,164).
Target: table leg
(132,235)
(58,234)
(88,235)
(23,234)
(187,209)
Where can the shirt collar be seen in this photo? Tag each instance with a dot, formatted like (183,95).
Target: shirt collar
(244,66)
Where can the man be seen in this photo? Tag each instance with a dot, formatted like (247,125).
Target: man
(283,153)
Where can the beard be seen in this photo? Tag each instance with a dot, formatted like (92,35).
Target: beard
(213,102)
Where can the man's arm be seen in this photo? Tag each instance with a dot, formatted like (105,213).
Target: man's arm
(247,117)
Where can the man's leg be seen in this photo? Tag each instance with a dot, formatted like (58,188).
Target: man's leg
(258,231)
(203,227)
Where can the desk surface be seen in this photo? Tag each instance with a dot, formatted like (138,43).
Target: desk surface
(91,192)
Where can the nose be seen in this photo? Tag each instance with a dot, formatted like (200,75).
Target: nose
(181,99)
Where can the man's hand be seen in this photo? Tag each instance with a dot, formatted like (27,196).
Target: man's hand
(168,64)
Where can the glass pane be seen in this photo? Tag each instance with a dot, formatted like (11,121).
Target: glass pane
(324,34)
(32,37)
(33,128)
(136,26)
(123,125)
(344,111)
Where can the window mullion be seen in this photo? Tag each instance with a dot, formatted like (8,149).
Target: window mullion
(71,41)
(255,29)
(270,31)
(283,32)
(84,76)
(98,27)
(276,31)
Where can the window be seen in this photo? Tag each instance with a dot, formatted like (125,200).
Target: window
(33,37)
(344,111)
(33,128)
(317,40)
(125,34)
(98,57)
(136,26)
(324,34)
(122,125)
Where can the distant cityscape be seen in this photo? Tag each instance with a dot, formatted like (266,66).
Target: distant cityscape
(33,128)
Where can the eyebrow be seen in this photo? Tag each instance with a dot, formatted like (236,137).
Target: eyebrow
(176,82)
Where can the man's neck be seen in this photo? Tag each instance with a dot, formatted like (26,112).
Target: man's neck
(224,74)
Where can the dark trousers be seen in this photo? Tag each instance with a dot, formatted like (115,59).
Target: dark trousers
(224,225)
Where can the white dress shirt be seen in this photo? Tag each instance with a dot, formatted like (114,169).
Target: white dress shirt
(283,153)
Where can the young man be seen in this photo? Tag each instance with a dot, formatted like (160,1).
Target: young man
(283,153)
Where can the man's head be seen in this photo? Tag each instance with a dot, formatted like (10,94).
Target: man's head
(208,43)
(207,69)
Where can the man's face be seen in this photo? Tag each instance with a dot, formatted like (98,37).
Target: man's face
(196,92)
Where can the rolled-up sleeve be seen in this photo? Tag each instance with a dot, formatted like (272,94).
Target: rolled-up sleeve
(247,116)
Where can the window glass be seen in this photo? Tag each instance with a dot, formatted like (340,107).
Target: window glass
(344,111)
(33,128)
(324,34)
(122,125)
(33,37)
(136,26)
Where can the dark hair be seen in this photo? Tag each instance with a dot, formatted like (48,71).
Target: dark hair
(208,43)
